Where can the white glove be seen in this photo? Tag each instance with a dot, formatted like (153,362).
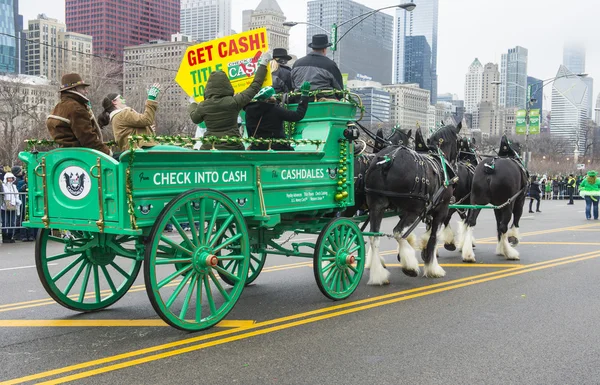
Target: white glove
(191,100)
(265,59)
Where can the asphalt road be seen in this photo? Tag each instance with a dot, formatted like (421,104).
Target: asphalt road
(533,321)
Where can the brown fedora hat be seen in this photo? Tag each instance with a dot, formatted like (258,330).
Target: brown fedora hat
(69,81)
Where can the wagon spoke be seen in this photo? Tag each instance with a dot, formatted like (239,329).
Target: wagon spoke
(228,242)
(63,255)
(171,243)
(219,286)
(178,289)
(351,267)
(173,260)
(213,219)
(350,241)
(109,279)
(201,220)
(331,241)
(198,300)
(329,275)
(177,225)
(343,280)
(74,278)
(188,296)
(193,231)
(224,226)
(230,275)
(236,257)
(327,267)
(84,285)
(96,284)
(355,248)
(209,296)
(68,268)
(171,277)
(117,268)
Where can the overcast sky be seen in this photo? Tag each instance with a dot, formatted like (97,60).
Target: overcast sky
(467,29)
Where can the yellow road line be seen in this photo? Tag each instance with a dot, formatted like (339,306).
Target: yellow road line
(112,323)
(549,243)
(480,265)
(388,297)
(245,335)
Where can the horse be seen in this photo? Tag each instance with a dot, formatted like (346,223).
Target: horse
(465,168)
(502,181)
(362,161)
(417,186)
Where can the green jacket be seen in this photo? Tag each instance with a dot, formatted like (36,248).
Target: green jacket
(221,107)
(586,188)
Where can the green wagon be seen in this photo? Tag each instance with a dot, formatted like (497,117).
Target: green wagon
(100,218)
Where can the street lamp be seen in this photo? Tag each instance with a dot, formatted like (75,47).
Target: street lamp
(530,101)
(334,27)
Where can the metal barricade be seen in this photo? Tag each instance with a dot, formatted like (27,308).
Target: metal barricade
(12,215)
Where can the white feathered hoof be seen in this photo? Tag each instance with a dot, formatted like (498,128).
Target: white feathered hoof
(511,254)
(468,256)
(410,273)
(450,246)
(434,271)
(379,278)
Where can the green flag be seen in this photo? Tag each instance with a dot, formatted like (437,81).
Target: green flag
(520,122)
(534,121)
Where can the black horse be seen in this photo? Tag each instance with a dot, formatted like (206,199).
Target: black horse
(361,164)
(465,168)
(415,185)
(502,181)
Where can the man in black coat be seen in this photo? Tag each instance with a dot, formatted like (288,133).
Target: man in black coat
(282,75)
(316,68)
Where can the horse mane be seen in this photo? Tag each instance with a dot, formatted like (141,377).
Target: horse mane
(446,133)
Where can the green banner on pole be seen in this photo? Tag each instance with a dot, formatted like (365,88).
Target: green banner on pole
(534,121)
(521,122)
(334,34)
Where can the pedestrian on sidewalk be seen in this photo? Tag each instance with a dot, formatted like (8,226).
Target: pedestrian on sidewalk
(548,188)
(534,193)
(571,183)
(590,190)
(9,208)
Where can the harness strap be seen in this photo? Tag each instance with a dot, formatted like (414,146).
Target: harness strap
(397,195)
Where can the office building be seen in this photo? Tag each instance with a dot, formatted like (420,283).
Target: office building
(367,49)
(574,57)
(12,48)
(416,46)
(569,109)
(473,86)
(205,20)
(269,15)
(597,109)
(410,106)
(114,25)
(376,100)
(513,78)
(489,84)
(138,74)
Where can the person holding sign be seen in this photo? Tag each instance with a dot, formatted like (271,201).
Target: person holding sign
(221,106)
(264,118)
(126,121)
(316,68)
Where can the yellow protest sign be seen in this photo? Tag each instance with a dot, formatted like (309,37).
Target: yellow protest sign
(236,55)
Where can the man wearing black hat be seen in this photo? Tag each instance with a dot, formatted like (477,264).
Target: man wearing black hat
(281,73)
(72,122)
(316,68)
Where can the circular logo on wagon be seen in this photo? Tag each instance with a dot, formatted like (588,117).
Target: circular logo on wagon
(74,182)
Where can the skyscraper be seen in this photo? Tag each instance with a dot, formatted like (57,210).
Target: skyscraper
(11,23)
(569,109)
(269,15)
(473,86)
(368,47)
(489,86)
(574,57)
(513,78)
(416,46)
(115,25)
(205,20)
(488,117)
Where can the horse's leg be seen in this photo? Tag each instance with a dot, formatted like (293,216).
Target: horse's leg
(408,261)
(468,255)
(432,268)
(508,251)
(513,233)
(461,226)
(379,275)
(447,234)
(423,239)
(499,244)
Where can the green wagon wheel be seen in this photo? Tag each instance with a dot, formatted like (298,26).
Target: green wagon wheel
(181,269)
(339,258)
(86,271)
(257,262)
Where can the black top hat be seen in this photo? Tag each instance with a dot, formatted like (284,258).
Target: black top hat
(320,41)
(281,53)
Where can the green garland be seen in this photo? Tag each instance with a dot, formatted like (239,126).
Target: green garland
(189,142)
(31,144)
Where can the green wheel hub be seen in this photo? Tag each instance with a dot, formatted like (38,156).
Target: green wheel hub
(339,258)
(181,270)
(86,271)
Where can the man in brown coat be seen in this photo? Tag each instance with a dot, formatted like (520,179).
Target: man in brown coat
(72,122)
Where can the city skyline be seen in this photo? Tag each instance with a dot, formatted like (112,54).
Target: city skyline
(463,34)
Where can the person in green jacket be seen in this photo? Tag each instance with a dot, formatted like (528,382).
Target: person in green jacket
(590,189)
(220,108)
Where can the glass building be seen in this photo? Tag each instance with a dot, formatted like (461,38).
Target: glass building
(513,78)
(574,57)
(205,20)
(536,93)
(368,47)
(9,45)
(416,46)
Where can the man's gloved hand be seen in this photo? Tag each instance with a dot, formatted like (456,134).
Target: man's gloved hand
(265,59)
(191,100)
(305,88)
(153,91)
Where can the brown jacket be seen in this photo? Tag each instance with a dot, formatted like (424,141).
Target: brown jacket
(127,122)
(72,123)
